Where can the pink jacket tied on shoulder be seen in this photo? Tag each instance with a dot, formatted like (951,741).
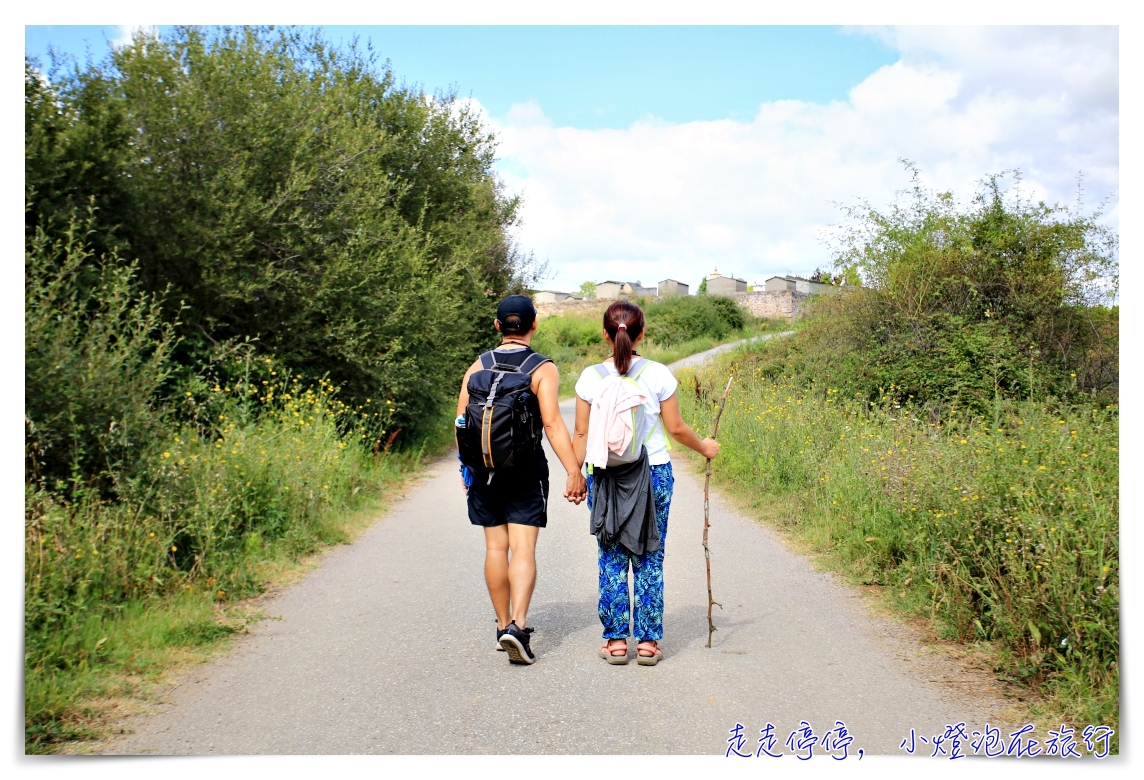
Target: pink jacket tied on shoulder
(610,421)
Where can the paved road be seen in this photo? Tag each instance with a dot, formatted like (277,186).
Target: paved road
(388,647)
(701,357)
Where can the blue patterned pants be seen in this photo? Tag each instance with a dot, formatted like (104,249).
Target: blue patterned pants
(615,611)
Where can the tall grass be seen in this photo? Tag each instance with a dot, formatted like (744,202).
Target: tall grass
(110,585)
(1002,530)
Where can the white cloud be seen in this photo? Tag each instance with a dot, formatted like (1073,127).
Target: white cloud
(660,200)
(127,33)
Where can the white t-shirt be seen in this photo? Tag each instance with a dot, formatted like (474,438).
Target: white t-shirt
(658,385)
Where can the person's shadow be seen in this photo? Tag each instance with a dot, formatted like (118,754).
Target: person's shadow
(556,621)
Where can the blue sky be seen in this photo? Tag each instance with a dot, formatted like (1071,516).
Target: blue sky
(597,77)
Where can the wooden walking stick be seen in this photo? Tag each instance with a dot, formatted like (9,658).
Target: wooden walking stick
(707,514)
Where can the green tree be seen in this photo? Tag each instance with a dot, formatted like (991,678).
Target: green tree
(290,194)
(588,289)
(75,150)
(703,286)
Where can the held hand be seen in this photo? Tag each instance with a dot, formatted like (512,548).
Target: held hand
(574,489)
(709,448)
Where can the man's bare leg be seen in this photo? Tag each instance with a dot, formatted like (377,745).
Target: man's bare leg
(521,569)
(497,571)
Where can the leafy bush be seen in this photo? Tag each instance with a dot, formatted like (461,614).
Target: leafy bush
(96,351)
(966,303)
(251,262)
(949,430)
(681,318)
(568,331)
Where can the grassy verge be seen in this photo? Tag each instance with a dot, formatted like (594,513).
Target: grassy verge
(1003,532)
(118,592)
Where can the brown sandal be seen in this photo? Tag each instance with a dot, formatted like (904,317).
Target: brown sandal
(655,653)
(608,651)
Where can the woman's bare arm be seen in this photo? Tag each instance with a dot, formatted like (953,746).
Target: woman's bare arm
(546,383)
(680,431)
(580,431)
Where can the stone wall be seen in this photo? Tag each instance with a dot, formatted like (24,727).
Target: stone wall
(784,304)
(586,306)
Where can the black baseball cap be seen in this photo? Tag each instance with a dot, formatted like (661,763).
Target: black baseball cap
(518,306)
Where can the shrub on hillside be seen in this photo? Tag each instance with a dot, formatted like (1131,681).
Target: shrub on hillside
(965,304)
(682,318)
(568,331)
(1003,529)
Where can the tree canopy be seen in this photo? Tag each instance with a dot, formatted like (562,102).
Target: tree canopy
(272,189)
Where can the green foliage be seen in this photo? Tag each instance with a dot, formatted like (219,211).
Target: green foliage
(573,341)
(964,304)
(252,266)
(76,144)
(703,286)
(588,289)
(566,330)
(96,351)
(949,430)
(273,477)
(680,318)
(290,195)
(1002,530)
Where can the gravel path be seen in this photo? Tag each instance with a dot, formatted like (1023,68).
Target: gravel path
(388,647)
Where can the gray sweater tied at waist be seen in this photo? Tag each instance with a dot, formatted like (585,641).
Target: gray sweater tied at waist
(623,508)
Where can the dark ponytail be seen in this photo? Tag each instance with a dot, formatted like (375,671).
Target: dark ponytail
(632,318)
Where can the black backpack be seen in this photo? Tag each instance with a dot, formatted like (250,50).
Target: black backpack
(502,420)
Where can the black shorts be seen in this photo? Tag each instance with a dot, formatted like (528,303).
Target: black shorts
(516,495)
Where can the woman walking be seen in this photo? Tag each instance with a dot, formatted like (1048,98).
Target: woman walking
(624,406)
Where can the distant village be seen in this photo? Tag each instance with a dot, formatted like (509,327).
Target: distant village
(777,296)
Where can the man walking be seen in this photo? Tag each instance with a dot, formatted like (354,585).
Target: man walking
(504,469)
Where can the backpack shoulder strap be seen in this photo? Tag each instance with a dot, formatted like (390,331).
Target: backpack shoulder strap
(488,362)
(602,370)
(639,366)
(533,362)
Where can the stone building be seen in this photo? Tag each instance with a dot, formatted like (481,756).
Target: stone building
(718,284)
(612,290)
(670,287)
(609,290)
(797,284)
